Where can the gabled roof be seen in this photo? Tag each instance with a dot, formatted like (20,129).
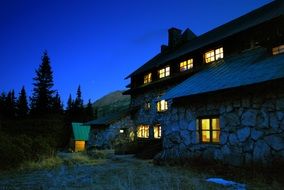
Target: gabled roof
(249,68)
(81,131)
(254,18)
(108,119)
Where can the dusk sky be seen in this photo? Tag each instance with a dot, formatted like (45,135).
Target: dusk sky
(97,43)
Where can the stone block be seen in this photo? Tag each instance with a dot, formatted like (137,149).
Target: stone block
(275,141)
(224,137)
(273,121)
(256,134)
(262,119)
(261,151)
(243,134)
(280,104)
(233,139)
(249,118)
(231,120)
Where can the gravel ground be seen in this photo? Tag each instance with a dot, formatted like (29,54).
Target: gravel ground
(117,172)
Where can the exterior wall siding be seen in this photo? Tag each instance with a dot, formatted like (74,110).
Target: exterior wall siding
(252,129)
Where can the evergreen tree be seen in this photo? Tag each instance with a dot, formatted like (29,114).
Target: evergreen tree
(22,104)
(2,105)
(42,98)
(57,104)
(10,104)
(89,112)
(79,100)
(70,104)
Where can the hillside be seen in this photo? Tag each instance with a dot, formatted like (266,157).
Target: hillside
(112,102)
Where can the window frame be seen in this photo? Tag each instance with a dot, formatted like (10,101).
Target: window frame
(164,72)
(147,78)
(199,121)
(159,106)
(144,131)
(147,105)
(276,50)
(214,56)
(159,131)
(186,65)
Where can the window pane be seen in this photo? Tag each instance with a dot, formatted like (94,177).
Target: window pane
(205,136)
(143,131)
(215,124)
(162,105)
(205,124)
(216,136)
(157,131)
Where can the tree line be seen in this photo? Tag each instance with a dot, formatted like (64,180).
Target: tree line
(35,127)
(44,100)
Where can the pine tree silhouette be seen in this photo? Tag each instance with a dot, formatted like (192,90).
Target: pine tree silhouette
(42,98)
(22,104)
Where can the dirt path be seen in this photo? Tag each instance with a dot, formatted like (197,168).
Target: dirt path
(117,172)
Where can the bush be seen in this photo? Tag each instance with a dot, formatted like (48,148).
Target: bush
(11,154)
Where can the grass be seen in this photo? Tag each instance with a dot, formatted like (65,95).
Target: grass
(127,173)
(55,161)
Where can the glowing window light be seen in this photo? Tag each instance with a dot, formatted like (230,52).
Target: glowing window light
(278,49)
(157,131)
(148,78)
(185,65)
(214,55)
(209,130)
(162,105)
(164,72)
(143,131)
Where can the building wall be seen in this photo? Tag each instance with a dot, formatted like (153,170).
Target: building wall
(108,137)
(251,122)
(151,116)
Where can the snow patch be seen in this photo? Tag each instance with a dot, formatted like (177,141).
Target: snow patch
(234,185)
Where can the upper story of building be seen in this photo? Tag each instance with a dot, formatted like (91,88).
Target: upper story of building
(187,53)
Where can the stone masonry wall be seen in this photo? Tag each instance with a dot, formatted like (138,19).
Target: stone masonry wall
(107,138)
(252,128)
(149,117)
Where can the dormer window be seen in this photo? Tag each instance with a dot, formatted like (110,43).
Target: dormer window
(214,55)
(164,72)
(186,65)
(278,49)
(148,78)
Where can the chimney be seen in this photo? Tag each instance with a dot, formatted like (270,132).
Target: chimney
(188,35)
(174,37)
(164,48)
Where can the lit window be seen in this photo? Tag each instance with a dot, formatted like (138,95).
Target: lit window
(147,105)
(214,55)
(148,78)
(162,105)
(143,131)
(157,131)
(185,65)
(164,72)
(209,129)
(121,130)
(278,49)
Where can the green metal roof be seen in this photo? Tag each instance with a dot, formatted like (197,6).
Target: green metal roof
(80,131)
(109,119)
(249,68)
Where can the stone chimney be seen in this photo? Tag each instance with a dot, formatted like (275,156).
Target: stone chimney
(174,37)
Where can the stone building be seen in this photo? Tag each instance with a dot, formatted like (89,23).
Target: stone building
(111,130)
(217,96)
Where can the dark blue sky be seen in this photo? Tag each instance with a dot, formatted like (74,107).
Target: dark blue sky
(97,43)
